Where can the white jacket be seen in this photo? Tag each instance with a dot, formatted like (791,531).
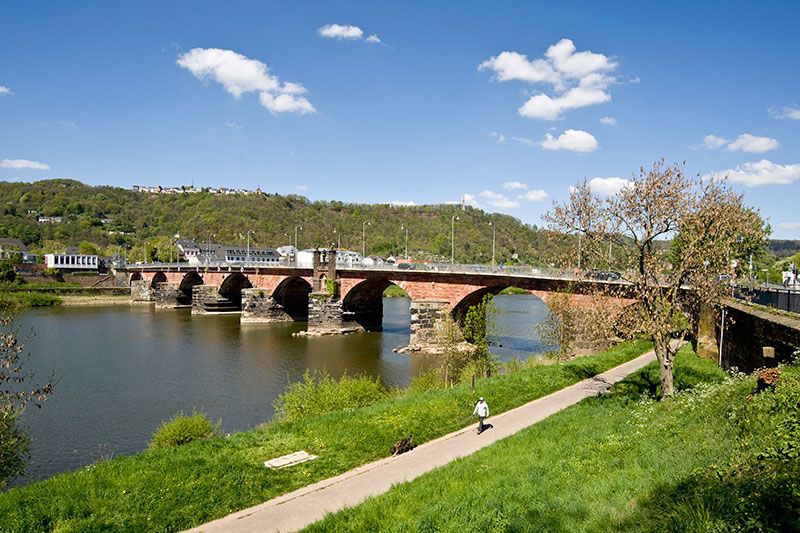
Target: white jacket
(481,409)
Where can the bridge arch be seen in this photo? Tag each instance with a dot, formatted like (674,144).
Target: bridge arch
(135,276)
(231,288)
(459,310)
(365,301)
(292,294)
(187,284)
(158,277)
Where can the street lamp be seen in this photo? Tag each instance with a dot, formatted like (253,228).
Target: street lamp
(405,228)
(364,238)
(453,238)
(247,260)
(286,235)
(494,232)
(338,238)
(208,246)
(295,235)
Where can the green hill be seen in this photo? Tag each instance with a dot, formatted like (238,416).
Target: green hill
(114,219)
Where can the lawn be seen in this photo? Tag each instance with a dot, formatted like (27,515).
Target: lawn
(714,458)
(175,488)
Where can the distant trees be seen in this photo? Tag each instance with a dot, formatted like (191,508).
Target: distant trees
(709,227)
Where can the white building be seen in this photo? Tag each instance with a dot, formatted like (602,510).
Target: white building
(67,261)
(234,254)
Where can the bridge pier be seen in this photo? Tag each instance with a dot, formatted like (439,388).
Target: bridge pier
(326,316)
(424,316)
(141,292)
(207,300)
(258,307)
(165,295)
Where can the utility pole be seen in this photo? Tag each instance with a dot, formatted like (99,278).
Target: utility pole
(494,231)
(453,238)
(295,236)
(248,245)
(338,238)
(364,238)
(405,228)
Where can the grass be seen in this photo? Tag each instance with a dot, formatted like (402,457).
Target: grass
(714,458)
(175,488)
(28,299)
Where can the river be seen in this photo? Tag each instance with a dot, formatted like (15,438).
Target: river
(120,371)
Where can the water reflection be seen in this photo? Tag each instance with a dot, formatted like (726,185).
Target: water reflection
(123,370)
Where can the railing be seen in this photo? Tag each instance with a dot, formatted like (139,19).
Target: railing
(783,299)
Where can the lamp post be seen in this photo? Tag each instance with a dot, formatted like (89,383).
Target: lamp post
(405,228)
(288,242)
(338,238)
(364,238)
(494,233)
(208,246)
(453,238)
(295,235)
(247,260)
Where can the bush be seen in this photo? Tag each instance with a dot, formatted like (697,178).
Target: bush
(319,394)
(182,429)
(14,447)
(425,381)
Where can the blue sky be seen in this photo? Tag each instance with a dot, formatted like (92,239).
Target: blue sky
(456,99)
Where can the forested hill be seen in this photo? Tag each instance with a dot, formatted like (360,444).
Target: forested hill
(113,219)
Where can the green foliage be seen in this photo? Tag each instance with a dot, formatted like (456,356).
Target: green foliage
(186,486)
(28,299)
(319,393)
(427,380)
(183,429)
(137,218)
(7,272)
(330,287)
(14,446)
(476,322)
(51,272)
(513,290)
(393,291)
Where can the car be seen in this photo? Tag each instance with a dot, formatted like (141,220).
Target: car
(603,275)
(405,266)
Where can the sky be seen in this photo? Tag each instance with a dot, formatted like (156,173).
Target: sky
(503,104)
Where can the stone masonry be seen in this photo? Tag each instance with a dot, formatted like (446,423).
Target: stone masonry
(258,307)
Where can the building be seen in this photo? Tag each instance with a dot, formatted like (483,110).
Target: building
(71,261)
(235,254)
(10,247)
(347,258)
(187,248)
(288,252)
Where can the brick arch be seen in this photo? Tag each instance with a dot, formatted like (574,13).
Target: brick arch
(134,276)
(231,287)
(158,277)
(460,308)
(292,295)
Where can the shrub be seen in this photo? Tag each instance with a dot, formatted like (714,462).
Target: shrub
(182,429)
(425,381)
(14,447)
(319,394)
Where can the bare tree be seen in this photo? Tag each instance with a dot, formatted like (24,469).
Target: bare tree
(676,240)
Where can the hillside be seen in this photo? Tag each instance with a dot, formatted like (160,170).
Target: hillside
(113,219)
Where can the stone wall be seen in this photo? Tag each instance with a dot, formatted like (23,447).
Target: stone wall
(165,295)
(326,316)
(748,330)
(258,307)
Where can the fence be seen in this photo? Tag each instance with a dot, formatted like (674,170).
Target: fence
(784,299)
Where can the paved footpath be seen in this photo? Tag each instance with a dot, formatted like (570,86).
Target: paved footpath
(305,506)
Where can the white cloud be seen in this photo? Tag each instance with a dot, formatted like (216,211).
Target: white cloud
(579,79)
(5,90)
(524,140)
(608,121)
(233,125)
(753,144)
(338,31)
(535,195)
(758,173)
(496,199)
(784,112)
(514,186)
(788,225)
(608,186)
(470,199)
(572,140)
(301,187)
(23,163)
(401,203)
(712,142)
(498,138)
(347,32)
(239,74)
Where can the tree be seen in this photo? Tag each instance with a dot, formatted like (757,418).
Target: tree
(16,392)
(708,225)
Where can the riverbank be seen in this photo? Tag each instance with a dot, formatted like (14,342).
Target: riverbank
(47,295)
(717,457)
(192,484)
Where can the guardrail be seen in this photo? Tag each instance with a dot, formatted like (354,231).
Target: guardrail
(783,299)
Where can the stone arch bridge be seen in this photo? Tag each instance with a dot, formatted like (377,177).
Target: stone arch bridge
(342,300)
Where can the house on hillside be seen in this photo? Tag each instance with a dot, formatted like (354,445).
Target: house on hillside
(70,260)
(10,247)
(187,248)
(235,255)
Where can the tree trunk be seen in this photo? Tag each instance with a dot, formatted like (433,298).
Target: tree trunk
(666,361)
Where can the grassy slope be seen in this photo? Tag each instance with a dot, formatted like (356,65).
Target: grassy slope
(619,462)
(181,487)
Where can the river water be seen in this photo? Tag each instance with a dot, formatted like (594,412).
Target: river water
(120,371)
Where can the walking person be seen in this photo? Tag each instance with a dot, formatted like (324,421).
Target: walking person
(482,410)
